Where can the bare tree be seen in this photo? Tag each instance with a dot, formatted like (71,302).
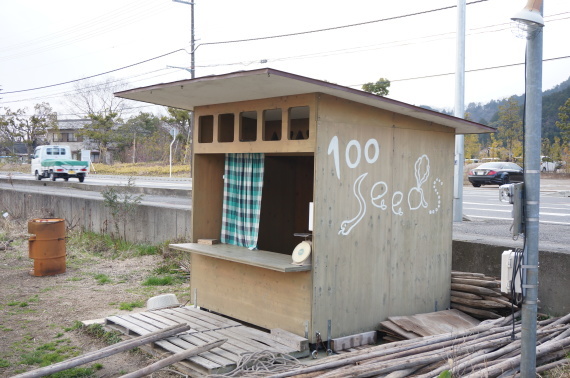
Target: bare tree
(90,97)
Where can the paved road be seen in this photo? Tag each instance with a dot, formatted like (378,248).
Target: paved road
(484,203)
(491,227)
(183,183)
(489,221)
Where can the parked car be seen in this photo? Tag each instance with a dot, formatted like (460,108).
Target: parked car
(495,173)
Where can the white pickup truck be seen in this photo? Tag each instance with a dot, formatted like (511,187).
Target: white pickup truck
(55,162)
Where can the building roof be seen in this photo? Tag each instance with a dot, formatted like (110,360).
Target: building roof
(268,83)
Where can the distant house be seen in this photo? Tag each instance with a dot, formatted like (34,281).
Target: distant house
(68,134)
(17,150)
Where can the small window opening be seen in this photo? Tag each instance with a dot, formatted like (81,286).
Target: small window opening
(299,123)
(272,124)
(248,126)
(226,127)
(206,129)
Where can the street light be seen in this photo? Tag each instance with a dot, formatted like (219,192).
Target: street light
(530,21)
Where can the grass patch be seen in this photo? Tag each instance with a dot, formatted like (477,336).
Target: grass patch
(4,363)
(102,279)
(49,353)
(146,250)
(76,325)
(97,331)
(159,281)
(77,372)
(129,306)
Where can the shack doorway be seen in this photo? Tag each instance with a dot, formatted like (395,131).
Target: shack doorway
(287,193)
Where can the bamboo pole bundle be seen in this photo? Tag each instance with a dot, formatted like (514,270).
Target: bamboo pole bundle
(489,350)
(479,295)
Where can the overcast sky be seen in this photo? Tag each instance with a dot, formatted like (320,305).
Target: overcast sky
(410,42)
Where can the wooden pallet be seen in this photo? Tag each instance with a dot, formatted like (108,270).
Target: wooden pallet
(207,327)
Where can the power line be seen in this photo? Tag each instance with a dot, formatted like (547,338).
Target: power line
(279,36)
(337,27)
(473,70)
(92,76)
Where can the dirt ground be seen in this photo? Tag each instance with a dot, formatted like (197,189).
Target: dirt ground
(39,313)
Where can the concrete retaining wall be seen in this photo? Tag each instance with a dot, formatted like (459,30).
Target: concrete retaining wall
(155,225)
(148,224)
(553,272)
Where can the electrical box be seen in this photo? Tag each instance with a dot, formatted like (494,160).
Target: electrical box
(513,194)
(508,262)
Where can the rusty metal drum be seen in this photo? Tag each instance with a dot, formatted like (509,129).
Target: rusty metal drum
(47,246)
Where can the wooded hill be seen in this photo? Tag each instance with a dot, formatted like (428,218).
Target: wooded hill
(552,100)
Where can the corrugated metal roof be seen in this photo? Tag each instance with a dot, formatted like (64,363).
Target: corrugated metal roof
(267,83)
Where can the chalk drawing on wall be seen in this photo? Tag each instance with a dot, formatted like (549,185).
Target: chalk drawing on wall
(379,193)
(436,182)
(397,199)
(416,194)
(347,225)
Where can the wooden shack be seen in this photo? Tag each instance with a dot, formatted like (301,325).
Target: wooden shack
(374,174)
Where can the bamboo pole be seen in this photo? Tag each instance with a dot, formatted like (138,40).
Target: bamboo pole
(105,352)
(174,358)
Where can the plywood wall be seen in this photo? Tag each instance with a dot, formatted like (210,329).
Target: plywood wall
(383,198)
(259,296)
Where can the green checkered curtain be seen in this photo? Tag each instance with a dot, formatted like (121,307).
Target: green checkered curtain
(243,184)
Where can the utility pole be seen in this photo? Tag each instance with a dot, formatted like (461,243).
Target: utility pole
(531,22)
(192,39)
(459,111)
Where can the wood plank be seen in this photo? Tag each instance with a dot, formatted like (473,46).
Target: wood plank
(205,314)
(232,358)
(399,331)
(228,346)
(290,339)
(263,259)
(366,338)
(237,340)
(131,329)
(263,297)
(211,315)
(204,322)
(435,323)
(163,319)
(255,337)
(151,321)
(196,325)
(185,344)
(140,323)
(203,362)
(215,320)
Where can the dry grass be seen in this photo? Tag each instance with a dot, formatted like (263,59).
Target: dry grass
(122,169)
(142,169)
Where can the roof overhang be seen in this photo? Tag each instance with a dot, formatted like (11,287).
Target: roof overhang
(268,83)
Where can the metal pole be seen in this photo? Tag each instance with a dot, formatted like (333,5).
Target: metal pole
(533,122)
(192,47)
(192,64)
(459,112)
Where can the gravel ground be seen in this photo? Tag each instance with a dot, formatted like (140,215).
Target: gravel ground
(36,313)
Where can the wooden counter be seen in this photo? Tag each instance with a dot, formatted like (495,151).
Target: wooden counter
(263,259)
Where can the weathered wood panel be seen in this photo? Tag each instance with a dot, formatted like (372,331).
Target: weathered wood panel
(207,196)
(256,295)
(382,239)
(261,144)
